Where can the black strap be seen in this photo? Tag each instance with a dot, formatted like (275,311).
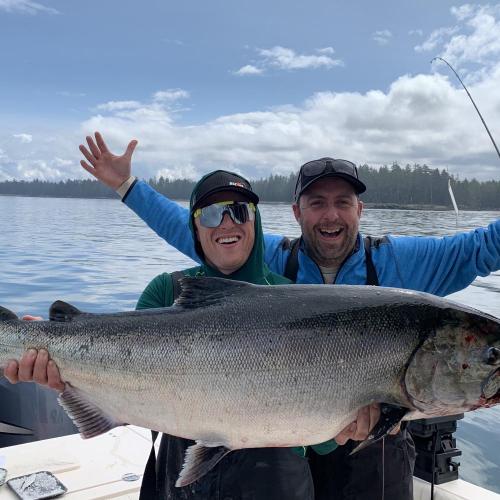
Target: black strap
(292,264)
(371,272)
(149,489)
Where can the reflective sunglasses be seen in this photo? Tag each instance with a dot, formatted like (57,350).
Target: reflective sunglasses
(212,215)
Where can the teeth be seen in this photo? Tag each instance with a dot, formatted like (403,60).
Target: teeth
(229,239)
(330,231)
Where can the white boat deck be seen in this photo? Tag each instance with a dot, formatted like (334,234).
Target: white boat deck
(95,468)
(90,469)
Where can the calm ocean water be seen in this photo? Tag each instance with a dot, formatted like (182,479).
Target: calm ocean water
(97,255)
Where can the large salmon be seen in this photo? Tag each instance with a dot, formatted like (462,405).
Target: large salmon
(234,365)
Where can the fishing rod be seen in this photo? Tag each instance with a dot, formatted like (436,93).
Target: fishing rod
(472,100)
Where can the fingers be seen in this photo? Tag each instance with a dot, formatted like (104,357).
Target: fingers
(374,415)
(26,365)
(28,317)
(53,377)
(85,152)
(40,367)
(88,168)
(100,143)
(35,367)
(362,423)
(11,371)
(347,433)
(130,148)
(93,148)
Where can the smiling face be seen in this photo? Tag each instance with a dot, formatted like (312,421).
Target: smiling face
(328,213)
(228,246)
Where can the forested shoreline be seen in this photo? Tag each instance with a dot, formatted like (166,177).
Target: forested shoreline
(394,186)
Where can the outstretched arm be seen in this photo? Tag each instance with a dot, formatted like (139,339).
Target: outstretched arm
(167,218)
(445,265)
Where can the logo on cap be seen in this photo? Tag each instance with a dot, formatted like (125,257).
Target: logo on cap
(237,184)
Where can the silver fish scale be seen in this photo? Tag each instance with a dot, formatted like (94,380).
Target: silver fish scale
(286,367)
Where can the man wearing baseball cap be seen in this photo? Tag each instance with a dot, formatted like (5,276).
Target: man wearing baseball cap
(331,250)
(226,231)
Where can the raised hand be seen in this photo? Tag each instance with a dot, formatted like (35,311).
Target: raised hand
(110,169)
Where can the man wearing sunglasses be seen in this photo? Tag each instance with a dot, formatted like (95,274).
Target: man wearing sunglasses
(331,251)
(226,232)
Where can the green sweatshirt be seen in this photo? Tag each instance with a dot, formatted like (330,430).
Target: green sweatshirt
(159,292)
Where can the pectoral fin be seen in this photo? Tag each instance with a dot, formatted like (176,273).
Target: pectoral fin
(88,418)
(390,416)
(198,461)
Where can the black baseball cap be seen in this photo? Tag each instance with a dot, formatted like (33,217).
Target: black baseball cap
(217,181)
(327,167)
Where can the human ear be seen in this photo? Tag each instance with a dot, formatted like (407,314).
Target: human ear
(296,211)
(360,207)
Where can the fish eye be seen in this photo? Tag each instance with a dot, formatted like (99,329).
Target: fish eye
(492,356)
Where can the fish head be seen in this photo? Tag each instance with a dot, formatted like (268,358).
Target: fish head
(456,368)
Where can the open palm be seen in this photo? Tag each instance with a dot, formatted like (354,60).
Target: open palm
(112,170)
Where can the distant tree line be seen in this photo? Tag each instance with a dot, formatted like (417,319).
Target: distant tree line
(416,185)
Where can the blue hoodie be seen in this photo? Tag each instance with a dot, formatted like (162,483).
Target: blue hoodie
(435,265)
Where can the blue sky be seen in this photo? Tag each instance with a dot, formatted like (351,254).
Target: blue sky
(257,87)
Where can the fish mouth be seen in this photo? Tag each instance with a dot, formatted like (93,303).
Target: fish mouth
(490,389)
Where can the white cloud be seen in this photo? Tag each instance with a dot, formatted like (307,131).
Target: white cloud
(382,37)
(67,93)
(285,58)
(170,95)
(473,42)
(25,7)
(326,50)
(419,119)
(24,138)
(437,37)
(38,169)
(463,11)
(118,105)
(61,162)
(417,32)
(249,70)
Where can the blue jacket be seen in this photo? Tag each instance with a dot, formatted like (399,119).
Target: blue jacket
(435,265)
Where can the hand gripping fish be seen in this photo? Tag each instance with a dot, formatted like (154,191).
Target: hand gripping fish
(233,365)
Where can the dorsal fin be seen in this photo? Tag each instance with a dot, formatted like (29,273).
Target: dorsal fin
(6,314)
(202,292)
(62,311)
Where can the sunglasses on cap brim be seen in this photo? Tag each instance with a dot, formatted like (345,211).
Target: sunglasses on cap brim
(212,215)
(313,168)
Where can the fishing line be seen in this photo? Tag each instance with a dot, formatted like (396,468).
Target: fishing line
(383,468)
(472,100)
(434,451)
